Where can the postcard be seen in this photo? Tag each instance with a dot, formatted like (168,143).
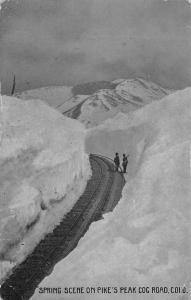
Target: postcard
(95,135)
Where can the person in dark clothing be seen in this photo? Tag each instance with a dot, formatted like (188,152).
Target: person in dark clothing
(117,161)
(125,162)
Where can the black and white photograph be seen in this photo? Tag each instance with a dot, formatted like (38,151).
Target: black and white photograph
(95,149)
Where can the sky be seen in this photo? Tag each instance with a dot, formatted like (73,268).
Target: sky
(67,42)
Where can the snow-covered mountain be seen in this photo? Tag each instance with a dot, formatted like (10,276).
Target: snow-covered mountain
(100,100)
(128,95)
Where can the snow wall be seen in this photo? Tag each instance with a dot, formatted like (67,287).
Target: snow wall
(146,241)
(44,170)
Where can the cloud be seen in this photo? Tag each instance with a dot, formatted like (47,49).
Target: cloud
(70,41)
(188,1)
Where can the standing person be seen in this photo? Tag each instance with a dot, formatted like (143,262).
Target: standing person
(125,162)
(117,161)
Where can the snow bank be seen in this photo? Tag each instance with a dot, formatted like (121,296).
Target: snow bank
(146,240)
(44,169)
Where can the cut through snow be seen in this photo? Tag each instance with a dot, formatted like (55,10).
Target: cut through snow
(146,240)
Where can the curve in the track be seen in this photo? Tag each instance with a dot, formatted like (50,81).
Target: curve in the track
(95,200)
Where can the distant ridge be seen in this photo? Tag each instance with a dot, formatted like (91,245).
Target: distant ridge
(93,102)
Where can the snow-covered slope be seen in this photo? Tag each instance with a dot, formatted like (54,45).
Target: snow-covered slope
(146,241)
(44,170)
(53,95)
(105,99)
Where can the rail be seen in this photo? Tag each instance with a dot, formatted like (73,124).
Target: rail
(58,244)
(108,158)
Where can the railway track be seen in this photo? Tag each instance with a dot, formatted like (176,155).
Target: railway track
(25,278)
